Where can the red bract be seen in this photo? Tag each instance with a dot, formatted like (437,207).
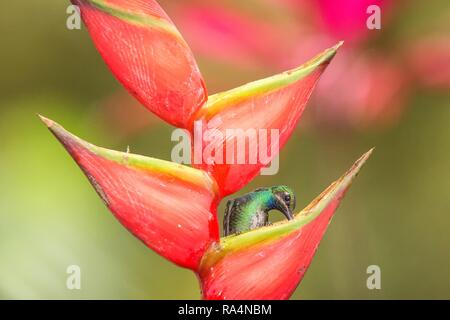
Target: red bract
(148,55)
(270,262)
(172,208)
(273,103)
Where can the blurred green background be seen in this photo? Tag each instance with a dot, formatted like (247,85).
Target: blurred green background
(397,215)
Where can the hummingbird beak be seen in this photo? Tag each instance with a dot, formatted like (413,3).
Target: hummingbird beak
(282,206)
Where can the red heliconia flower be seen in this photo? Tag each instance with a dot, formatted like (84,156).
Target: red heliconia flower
(318,24)
(171,207)
(379,82)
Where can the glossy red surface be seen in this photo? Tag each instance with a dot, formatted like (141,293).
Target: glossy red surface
(155,65)
(277,110)
(173,210)
(268,271)
(173,215)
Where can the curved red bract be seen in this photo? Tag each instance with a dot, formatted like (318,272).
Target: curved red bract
(279,110)
(268,271)
(175,215)
(269,262)
(154,64)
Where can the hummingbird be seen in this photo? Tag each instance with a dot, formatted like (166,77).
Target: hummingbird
(251,210)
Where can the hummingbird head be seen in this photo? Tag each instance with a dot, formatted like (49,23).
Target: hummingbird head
(284,200)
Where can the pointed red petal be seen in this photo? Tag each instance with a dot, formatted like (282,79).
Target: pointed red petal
(170,207)
(269,263)
(272,104)
(148,56)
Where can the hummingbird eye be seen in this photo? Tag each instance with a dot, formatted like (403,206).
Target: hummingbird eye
(287,197)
